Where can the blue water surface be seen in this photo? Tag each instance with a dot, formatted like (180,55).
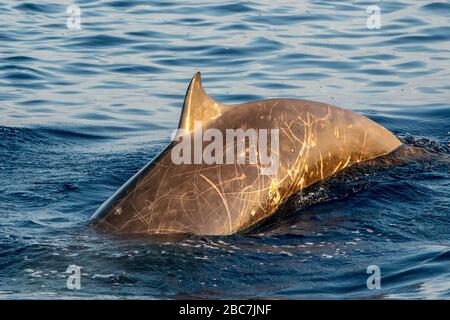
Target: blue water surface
(82,110)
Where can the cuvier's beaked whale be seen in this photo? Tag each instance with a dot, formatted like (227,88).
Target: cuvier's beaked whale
(316,140)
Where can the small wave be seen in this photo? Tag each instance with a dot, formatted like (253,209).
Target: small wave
(30,138)
(101,41)
(439,8)
(30,7)
(137,69)
(20,58)
(426,144)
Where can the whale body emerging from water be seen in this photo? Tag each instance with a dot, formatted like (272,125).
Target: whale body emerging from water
(315,140)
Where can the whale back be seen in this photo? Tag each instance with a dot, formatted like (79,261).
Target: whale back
(316,140)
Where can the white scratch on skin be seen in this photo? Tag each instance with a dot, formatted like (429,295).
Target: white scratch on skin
(221,197)
(363,147)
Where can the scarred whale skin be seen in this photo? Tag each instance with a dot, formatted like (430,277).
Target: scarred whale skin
(316,140)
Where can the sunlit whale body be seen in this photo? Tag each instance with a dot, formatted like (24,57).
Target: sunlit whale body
(316,140)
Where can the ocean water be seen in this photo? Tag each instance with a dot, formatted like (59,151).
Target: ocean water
(82,110)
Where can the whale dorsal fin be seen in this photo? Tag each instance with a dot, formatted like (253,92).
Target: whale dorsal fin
(198,106)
